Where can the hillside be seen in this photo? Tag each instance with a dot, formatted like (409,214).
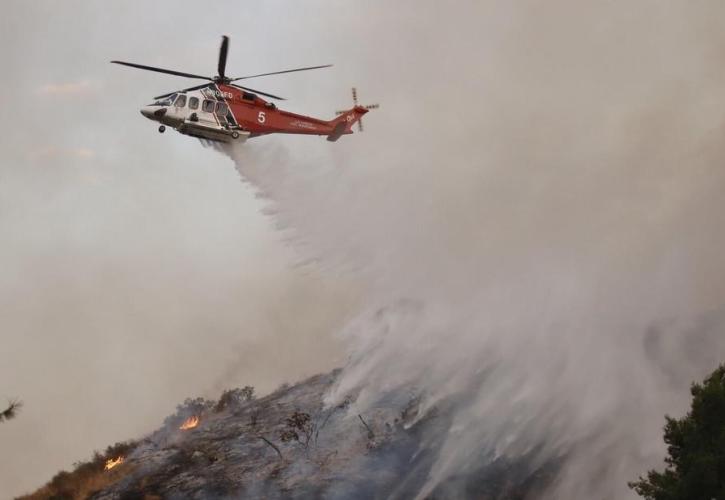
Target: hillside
(288,445)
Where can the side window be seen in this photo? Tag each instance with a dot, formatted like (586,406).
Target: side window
(208,106)
(193,102)
(221,109)
(180,101)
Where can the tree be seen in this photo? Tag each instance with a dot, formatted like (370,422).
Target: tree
(696,449)
(10,411)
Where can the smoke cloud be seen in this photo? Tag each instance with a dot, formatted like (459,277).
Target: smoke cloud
(535,215)
(530,226)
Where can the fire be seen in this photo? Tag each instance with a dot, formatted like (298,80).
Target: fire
(189,423)
(112,462)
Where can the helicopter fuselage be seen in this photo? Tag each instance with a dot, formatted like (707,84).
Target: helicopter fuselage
(225,113)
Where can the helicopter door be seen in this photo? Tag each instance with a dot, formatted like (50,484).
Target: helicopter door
(207,112)
(221,113)
(194,105)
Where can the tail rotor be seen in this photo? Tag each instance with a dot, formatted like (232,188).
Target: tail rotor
(355,102)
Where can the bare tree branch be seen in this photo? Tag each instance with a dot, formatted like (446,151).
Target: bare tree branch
(371,434)
(272,445)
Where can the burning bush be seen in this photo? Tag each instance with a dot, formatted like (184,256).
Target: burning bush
(189,423)
(191,407)
(86,477)
(113,462)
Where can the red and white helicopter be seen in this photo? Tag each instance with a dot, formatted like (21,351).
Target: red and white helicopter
(220,110)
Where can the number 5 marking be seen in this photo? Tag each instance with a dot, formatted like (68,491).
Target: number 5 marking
(261,118)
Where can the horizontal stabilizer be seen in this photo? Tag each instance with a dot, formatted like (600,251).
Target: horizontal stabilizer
(337,133)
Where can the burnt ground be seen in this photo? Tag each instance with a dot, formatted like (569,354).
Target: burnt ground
(289,445)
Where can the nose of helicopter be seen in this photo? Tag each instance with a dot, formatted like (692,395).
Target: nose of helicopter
(153,112)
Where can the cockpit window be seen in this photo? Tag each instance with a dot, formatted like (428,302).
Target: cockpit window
(208,106)
(166,101)
(193,102)
(221,109)
(180,101)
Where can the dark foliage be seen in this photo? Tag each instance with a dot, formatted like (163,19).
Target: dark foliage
(299,428)
(11,410)
(234,397)
(696,449)
(194,406)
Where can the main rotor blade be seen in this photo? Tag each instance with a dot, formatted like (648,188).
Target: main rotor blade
(223,56)
(259,92)
(280,72)
(197,87)
(161,70)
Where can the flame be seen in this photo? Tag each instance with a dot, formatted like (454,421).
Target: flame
(112,462)
(190,423)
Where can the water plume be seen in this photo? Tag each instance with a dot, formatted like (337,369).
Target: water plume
(546,254)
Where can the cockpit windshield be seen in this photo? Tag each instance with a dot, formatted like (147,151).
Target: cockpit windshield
(166,101)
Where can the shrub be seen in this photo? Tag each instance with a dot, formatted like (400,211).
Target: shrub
(299,428)
(234,397)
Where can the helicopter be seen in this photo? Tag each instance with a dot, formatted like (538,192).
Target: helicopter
(220,110)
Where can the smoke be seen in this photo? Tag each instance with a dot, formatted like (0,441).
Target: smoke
(536,215)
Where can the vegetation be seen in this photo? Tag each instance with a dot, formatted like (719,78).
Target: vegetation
(234,397)
(86,478)
(300,428)
(190,406)
(696,449)
(89,477)
(11,410)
